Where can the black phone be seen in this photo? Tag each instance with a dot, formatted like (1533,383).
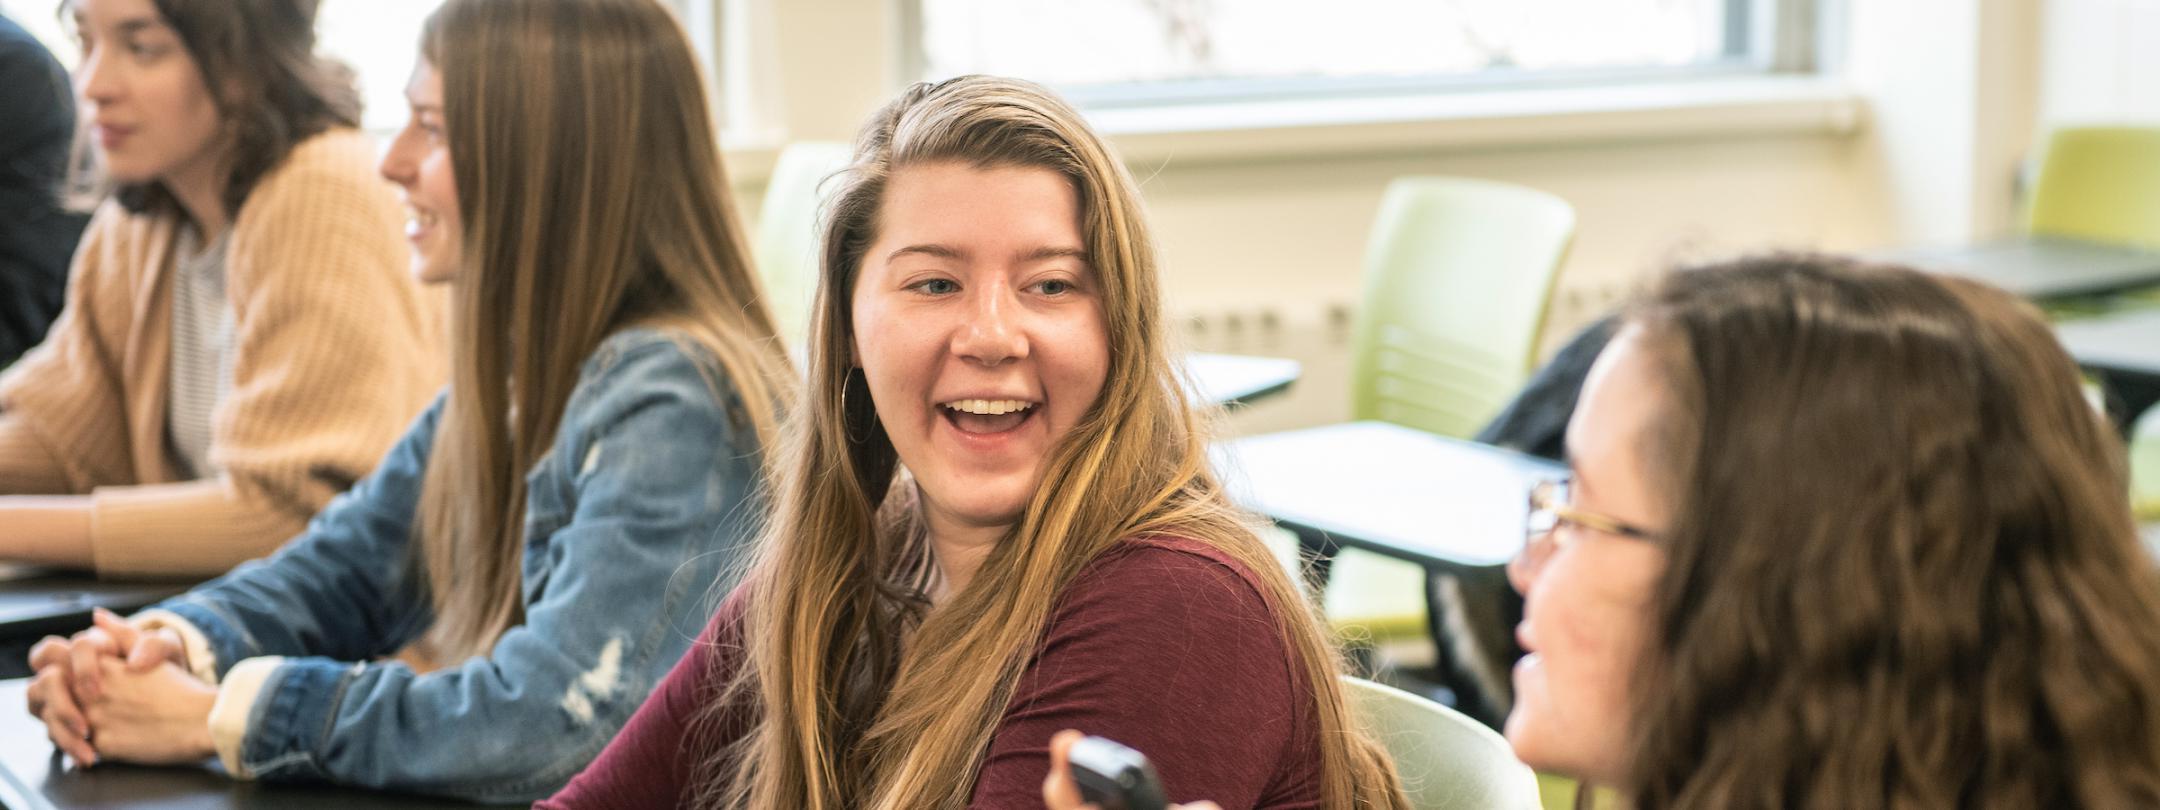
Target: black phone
(1115,777)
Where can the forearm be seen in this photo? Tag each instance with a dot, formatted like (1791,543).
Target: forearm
(46,530)
(26,466)
(189,529)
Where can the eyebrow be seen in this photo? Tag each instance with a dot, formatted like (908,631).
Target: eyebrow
(126,27)
(949,252)
(939,251)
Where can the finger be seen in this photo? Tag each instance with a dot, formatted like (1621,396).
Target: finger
(64,722)
(1060,792)
(39,685)
(50,650)
(83,658)
(154,649)
(123,634)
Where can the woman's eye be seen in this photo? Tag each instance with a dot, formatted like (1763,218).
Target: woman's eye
(938,286)
(1054,286)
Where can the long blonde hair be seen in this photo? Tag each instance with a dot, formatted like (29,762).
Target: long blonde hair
(593,198)
(845,714)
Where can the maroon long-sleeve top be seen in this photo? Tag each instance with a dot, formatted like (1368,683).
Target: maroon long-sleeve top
(1163,644)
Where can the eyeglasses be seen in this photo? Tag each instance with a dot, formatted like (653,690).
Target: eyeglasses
(1549,510)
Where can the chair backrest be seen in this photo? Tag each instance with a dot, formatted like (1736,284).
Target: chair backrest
(2099,184)
(1447,761)
(787,232)
(1457,279)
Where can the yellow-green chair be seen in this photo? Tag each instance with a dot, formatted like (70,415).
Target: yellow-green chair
(1458,276)
(786,244)
(2098,184)
(1559,793)
(1447,761)
(2102,184)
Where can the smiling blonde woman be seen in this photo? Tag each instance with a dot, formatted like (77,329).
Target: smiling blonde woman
(996,519)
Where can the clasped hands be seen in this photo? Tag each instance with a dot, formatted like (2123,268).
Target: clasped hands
(116,692)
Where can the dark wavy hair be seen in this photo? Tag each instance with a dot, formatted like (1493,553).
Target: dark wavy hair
(272,90)
(1903,571)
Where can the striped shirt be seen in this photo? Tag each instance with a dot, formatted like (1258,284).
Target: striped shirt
(202,338)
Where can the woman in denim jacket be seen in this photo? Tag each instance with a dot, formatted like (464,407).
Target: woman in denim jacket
(447,628)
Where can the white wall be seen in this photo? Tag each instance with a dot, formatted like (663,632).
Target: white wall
(2100,62)
(1951,88)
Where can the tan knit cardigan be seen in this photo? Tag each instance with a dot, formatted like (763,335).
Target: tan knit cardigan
(335,349)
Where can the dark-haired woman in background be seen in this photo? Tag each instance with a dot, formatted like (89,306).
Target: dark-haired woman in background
(241,339)
(1839,537)
(480,616)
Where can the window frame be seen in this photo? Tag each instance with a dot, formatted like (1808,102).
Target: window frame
(1762,37)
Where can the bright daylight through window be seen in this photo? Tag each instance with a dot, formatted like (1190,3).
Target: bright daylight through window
(1114,52)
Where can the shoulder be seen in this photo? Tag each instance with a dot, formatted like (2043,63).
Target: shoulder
(662,375)
(1171,589)
(334,169)
(1148,563)
(646,354)
(120,244)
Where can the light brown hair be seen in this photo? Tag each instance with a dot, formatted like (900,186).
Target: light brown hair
(845,714)
(593,198)
(1903,572)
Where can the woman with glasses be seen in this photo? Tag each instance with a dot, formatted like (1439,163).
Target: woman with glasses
(1839,536)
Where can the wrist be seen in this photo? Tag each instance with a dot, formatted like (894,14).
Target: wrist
(202,703)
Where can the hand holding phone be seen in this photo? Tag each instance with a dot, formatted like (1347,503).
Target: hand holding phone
(1114,777)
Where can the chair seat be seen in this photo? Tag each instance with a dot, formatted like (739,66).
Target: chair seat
(1447,761)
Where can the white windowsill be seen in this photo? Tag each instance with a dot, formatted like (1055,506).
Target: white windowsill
(1680,110)
(1266,131)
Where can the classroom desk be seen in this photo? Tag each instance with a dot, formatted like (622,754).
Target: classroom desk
(2039,267)
(1445,504)
(32,777)
(2123,350)
(1234,380)
(38,602)
(1439,502)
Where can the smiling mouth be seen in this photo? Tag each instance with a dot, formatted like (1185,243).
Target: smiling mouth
(417,221)
(987,416)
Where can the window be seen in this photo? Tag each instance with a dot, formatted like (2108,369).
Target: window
(378,39)
(42,19)
(1134,52)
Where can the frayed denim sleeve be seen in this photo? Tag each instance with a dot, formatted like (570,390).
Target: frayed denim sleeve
(341,588)
(641,510)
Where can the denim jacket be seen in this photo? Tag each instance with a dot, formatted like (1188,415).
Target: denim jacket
(645,501)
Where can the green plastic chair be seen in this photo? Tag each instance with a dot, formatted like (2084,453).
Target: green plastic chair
(1458,277)
(786,245)
(1447,761)
(2098,184)
(2102,184)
